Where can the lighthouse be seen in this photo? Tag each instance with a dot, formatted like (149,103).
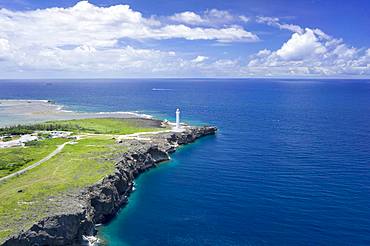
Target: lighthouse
(177,118)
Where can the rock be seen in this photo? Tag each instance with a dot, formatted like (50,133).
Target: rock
(102,201)
(59,230)
(158,155)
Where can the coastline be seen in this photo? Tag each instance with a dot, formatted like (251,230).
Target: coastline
(99,203)
(25,111)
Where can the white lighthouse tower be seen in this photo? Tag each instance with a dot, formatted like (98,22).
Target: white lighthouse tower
(177,118)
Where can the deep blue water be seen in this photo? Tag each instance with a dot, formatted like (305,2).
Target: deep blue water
(289,166)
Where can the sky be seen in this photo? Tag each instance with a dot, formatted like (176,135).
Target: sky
(172,38)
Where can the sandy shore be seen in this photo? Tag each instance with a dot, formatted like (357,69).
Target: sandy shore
(14,112)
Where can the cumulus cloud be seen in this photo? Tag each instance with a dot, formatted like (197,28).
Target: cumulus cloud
(86,23)
(87,58)
(86,36)
(92,40)
(244,18)
(187,17)
(215,15)
(4,47)
(274,21)
(224,35)
(199,59)
(212,17)
(301,46)
(310,52)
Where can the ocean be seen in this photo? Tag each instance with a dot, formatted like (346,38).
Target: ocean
(290,164)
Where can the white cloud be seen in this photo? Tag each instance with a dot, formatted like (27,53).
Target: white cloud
(311,52)
(88,61)
(88,24)
(90,38)
(244,18)
(212,17)
(4,47)
(200,59)
(301,46)
(224,35)
(187,17)
(86,58)
(273,21)
(219,15)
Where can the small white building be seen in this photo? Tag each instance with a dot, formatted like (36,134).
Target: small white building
(18,142)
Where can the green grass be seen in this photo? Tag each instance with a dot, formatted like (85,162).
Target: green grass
(108,125)
(94,125)
(16,158)
(26,199)
(77,166)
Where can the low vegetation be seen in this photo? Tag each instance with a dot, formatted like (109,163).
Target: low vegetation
(28,198)
(28,129)
(109,125)
(96,126)
(44,190)
(16,158)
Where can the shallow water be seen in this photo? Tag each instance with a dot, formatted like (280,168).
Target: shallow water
(14,112)
(289,166)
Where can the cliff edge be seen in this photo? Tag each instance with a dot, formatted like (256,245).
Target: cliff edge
(100,203)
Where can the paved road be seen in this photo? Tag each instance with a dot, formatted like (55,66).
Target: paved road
(52,154)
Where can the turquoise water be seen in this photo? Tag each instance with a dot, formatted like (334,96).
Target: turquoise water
(289,166)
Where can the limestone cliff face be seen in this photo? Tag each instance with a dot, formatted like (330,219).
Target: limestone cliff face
(102,201)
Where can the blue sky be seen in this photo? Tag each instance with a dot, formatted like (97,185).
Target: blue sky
(164,38)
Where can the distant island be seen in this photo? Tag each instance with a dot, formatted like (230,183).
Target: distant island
(59,178)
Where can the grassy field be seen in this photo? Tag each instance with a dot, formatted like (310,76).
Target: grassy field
(110,125)
(95,125)
(28,198)
(16,158)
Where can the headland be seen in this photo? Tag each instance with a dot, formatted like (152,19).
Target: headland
(61,200)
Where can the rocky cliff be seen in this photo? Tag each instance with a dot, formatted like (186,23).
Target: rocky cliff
(99,203)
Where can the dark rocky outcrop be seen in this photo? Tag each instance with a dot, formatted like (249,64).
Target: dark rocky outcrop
(58,230)
(101,201)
